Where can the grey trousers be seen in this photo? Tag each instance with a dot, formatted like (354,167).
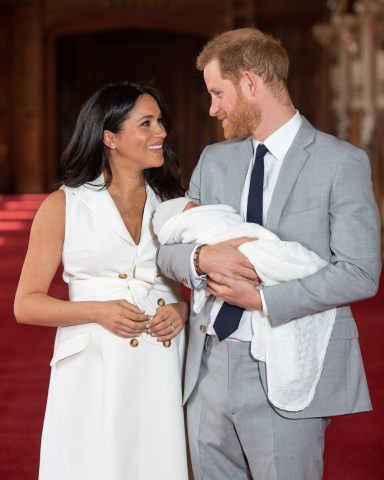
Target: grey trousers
(235,434)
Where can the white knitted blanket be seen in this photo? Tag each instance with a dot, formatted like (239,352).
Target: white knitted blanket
(293,352)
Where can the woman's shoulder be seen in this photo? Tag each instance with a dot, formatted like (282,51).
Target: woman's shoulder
(53,204)
(54,200)
(50,217)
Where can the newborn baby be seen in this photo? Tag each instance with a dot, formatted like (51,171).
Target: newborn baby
(179,221)
(293,352)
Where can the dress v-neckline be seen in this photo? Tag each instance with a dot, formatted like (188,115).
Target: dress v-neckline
(142,218)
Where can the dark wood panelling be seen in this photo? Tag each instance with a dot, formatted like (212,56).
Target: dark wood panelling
(86,43)
(292,22)
(165,60)
(6,92)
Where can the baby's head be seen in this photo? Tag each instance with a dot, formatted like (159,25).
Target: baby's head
(190,205)
(170,208)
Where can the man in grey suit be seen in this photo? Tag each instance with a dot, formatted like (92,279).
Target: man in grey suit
(316,190)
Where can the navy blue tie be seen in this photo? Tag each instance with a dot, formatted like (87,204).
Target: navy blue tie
(228,318)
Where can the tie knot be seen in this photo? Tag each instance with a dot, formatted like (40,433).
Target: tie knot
(261,150)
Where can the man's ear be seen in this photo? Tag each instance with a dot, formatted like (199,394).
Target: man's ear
(249,83)
(109,139)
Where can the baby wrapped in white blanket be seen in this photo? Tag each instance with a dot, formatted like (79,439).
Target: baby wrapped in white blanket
(294,352)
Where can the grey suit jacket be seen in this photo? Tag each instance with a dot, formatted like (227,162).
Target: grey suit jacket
(324,200)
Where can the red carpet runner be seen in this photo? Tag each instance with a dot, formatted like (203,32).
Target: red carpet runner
(354,444)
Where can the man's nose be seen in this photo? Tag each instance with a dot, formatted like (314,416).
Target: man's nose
(214,108)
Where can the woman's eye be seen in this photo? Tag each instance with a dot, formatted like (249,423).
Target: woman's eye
(147,123)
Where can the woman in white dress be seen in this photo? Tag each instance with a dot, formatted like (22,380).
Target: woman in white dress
(114,409)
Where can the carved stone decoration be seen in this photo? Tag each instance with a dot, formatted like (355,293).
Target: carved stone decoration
(354,38)
(379,97)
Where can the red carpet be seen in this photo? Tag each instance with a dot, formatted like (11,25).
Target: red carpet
(354,444)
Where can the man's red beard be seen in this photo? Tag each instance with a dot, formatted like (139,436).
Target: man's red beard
(242,121)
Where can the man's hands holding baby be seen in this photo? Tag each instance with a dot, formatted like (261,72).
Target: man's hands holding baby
(231,275)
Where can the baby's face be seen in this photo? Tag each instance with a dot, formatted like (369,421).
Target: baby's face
(190,205)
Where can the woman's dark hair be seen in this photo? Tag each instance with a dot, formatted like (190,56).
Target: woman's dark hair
(86,156)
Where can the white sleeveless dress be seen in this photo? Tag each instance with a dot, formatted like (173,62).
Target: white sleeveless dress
(114,410)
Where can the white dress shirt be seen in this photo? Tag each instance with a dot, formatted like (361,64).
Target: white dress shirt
(278,145)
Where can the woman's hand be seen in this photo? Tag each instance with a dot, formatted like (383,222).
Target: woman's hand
(121,317)
(168,321)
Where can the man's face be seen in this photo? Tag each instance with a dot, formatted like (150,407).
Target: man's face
(238,116)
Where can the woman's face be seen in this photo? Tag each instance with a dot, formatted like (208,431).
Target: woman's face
(139,144)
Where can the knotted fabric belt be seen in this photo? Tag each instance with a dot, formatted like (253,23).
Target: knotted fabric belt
(134,290)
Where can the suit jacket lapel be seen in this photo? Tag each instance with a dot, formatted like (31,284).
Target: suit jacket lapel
(293,163)
(238,166)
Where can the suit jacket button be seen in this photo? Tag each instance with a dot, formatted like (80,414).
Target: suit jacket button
(203,328)
(160,302)
(167,343)
(123,275)
(134,342)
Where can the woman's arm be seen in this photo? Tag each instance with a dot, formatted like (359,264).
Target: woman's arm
(34,306)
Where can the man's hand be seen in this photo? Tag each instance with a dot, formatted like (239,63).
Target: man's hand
(225,258)
(235,291)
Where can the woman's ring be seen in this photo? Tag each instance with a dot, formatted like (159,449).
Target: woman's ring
(172,327)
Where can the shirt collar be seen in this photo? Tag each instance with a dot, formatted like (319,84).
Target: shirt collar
(279,142)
